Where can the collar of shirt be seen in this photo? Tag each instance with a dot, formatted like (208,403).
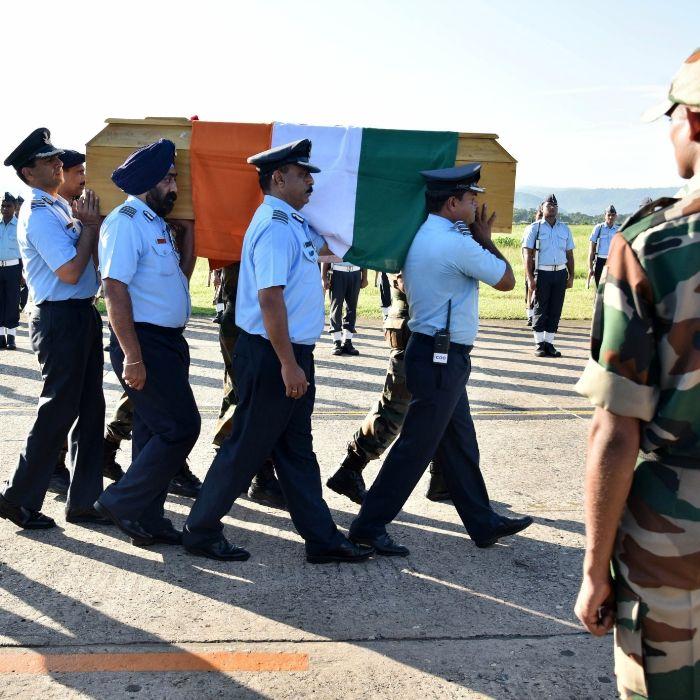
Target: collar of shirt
(11,222)
(41,194)
(439,222)
(277,203)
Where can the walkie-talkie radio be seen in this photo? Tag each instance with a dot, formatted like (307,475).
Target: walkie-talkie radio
(441,342)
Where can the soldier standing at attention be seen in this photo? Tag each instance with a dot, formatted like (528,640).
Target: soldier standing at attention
(550,272)
(146,284)
(384,420)
(450,254)
(279,311)
(343,282)
(66,334)
(643,508)
(529,311)
(10,274)
(600,240)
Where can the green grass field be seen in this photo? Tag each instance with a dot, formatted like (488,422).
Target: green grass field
(493,304)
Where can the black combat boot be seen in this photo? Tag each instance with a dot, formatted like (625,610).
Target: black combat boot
(348,481)
(437,488)
(11,345)
(265,489)
(110,467)
(337,348)
(541,350)
(349,348)
(185,483)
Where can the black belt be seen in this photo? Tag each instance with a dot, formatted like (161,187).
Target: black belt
(69,302)
(163,330)
(422,337)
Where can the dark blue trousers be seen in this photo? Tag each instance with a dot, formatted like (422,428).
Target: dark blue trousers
(549,300)
(438,423)
(9,295)
(67,339)
(266,422)
(166,425)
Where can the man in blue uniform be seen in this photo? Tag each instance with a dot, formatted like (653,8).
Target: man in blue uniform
(10,274)
(66,334)
(450,254)
(600,240)
(146,286)
(550,272)
(279,310)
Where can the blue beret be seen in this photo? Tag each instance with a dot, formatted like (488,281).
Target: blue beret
(71,158)
(145,168)
(462,178)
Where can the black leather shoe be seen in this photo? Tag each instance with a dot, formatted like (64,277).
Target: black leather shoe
(217,318)
(349,348)
(185,483)
(139,536)
(222,550)
(551,351)
(23,517)
(60,480)
(337,348)
(348,482)
(265,489)
(3,342)
(529,322)
(110,468)
(346,551)
(383,545)
(437,488)
(508,526)
(167,535)
(541,350)
(11,345)
(86,515)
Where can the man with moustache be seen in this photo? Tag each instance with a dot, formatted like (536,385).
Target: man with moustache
(146,286)
(279,310)
(66,334)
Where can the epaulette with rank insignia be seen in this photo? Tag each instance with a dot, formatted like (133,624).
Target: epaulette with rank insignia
(297,217)
(129,211)
(37,203)
(148,215)
(279,215)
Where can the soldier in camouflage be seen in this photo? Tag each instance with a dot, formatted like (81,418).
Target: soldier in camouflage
(384,420)
(643,462)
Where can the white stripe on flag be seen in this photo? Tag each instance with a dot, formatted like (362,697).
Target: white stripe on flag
(336,150)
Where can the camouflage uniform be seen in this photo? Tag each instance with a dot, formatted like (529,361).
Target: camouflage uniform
(228,335)
(119,428)
(384,420)
(645,363)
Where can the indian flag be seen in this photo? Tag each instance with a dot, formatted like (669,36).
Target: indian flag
(368,198)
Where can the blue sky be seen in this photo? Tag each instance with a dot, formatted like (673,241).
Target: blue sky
(562,83)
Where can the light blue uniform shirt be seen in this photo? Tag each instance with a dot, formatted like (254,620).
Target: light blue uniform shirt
(9,248)
(48,235)
(554,242)
(281,250)
(445,264)
(603,235)
(136,248)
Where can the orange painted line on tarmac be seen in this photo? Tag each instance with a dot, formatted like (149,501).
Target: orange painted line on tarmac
(132,662)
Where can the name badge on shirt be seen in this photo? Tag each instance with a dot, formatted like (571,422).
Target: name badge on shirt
(310,252)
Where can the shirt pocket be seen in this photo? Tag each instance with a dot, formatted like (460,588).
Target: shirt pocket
(560,239)
(163,258)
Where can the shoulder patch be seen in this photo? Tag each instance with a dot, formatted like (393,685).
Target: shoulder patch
(128,211)
(279,215)
(148,215)
(37,204)
(462,228)
(298,217)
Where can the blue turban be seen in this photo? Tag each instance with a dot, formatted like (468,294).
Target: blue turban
(145,168)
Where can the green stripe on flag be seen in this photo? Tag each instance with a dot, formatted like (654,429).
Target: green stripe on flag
(390,204)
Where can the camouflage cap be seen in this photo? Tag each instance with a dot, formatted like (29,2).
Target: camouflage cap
(684,90)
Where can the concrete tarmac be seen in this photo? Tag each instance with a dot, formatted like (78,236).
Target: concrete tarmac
(83,613)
